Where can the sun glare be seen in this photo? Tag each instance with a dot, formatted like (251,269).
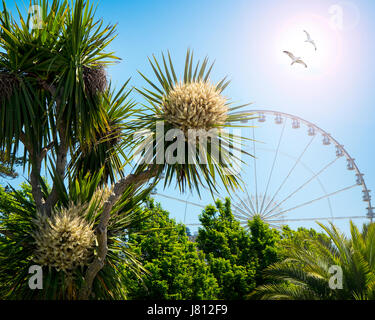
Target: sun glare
(291,37)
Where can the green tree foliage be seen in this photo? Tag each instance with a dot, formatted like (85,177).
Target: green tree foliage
(304,273)
(175,269)
(228,248)
(264,245)
(8,219)
(291,237)
(239,256)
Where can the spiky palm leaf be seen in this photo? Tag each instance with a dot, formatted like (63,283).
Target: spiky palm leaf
(105,151)
(304,273)
(203,108)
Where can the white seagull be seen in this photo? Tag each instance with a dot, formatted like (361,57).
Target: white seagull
(309,40)
(295,59)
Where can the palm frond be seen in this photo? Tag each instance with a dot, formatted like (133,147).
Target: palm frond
(305,271)
(106,150)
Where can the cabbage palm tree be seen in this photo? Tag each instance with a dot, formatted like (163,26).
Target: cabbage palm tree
(55,105)
(304,274)
(31,239)
(51,79)
(188,106)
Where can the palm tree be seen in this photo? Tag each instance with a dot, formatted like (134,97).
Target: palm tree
(32,239)
(192,104)
(55,105)
(305,273)
(51,79)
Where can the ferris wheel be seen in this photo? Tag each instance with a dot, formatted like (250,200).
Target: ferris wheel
(299,173)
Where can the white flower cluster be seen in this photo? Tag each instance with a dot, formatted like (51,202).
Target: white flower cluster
(196,105)
(64,241)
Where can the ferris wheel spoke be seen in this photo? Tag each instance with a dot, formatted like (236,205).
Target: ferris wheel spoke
(318,219)
(241,217)
(312,201)
(245,225)
(255,170)
(275,226)
(244,204)
(252,209)
(180,200)
(273,166)
(302,186)
(186,204)
(241,210)
(290,172)
(312,173)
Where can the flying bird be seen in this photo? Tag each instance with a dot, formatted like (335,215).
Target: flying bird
(309,40)
(295,59)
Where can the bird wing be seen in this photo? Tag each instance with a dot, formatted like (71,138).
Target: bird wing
(308,35)
(291,55)
(302,62)
(313,43)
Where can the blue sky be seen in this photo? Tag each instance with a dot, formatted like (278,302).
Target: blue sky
(246,38)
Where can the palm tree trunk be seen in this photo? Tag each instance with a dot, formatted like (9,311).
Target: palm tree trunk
(131,181)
